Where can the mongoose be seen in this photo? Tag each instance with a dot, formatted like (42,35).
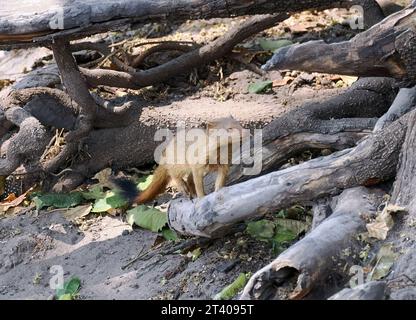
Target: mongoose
(219,136)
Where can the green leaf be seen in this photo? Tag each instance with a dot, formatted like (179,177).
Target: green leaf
(262,230)
(169,234)
(231,290)
(94,193)
(72,286)
(259,87)
(282,214)
(58,200)
(284,235)
(273,45)
(111,200)
(144,182)
(194,254)
(69,289)
(148,218)
(65,296)
(296,226)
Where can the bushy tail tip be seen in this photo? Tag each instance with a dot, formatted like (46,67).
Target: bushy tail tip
(127,189)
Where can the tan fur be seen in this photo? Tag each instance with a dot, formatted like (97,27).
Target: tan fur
(194,173)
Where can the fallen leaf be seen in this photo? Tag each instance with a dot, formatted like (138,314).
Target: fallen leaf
(10,197)
(144,182)
(273,45)
(282,82)
(283,235)
(377,230)
(231,290)
(392,208)
(262,230)
(296,226)
(169,234)
(94,192)
(69,289)
(58,200)
(194,254)
(4,206)
(147,217)
(383,222)
(103,177)
(111,200)
(385,260)
(260,86)
(349,80)
(77,212)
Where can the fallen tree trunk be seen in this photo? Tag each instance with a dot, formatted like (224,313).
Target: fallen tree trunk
(77,19)
(386,49)
(402,281)
(317,125)
(372,161)
(311,259)
(373,290)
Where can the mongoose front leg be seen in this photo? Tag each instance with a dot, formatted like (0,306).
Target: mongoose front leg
(222,173)
(198,176)
(191,185)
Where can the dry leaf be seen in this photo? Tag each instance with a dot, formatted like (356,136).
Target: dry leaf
(392,208)
(77,212)
(103,177)
(378,230)
(6,205)
(10,197)
(384,222)
(385,260)
(349,80)
(282,82)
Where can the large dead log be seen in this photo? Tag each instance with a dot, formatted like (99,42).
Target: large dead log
(373,160)
(32,22)
(402,279)
(310,260)
(373,290)
(386,49)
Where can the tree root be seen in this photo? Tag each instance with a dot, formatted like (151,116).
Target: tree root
(372,161)
(383,50)
(308,262)
(185,62)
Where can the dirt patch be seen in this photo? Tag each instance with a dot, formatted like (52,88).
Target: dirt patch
(32,244)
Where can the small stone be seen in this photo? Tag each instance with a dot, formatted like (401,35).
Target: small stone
(125,232)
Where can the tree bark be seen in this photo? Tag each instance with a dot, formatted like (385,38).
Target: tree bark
(308,262)
(372,161)
(386,49)
(77,19)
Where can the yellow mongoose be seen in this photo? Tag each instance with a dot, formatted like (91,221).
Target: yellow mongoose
(219,136)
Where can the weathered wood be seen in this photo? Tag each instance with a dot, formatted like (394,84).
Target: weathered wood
(310,260)
(403,103)
(372,161)
(373,290)
(386,49)
(321,210)
(26,21)
(402,279)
